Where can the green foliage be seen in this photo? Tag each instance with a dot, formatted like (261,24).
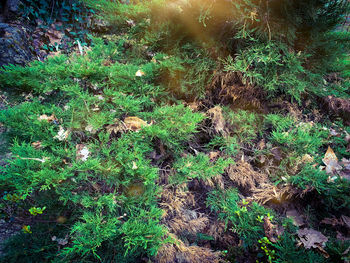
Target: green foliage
(82,176)
(243,219)
(244,125)
(36,210)
(247,220)
(199,166)
(334,192)
(227,144)
(173,125)
(271,66)
(286,250)
(111,194)
(303,138)
(276,46)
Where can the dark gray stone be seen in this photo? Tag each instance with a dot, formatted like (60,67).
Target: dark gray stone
(100,26)
(14,45)
(10,10)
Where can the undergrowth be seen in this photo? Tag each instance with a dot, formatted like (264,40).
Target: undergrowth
(104,135)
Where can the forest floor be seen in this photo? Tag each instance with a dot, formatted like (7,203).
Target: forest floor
(231,175)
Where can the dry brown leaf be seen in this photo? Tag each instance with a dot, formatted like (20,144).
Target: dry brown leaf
(214,155)
(54,54)
(307,158)
(262,144)
(37,145)
(134,123)
(331,221)
(44,117)
(62,134)
(54,36)
(341,237)
(296,217)
(331,161)
(272,231)
(60,241)
(139,73)
(277,153)
(311,238)
(115,128)
(217,119)
(193,106)
(346,221)
(82,152)
(347,137)
(90,129)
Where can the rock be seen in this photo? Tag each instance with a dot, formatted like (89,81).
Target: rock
(100,26)
(11,9)
(14,45)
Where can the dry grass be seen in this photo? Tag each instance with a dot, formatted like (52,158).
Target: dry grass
(243,175)
(180,224)
(218,231)
(175,199)
(268,192)
(228,87)
(181,253)
(258,185)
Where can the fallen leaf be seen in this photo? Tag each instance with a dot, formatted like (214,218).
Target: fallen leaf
(345,172)
(193,106)
(346,221)
(217,119)
(296,217)
(44,117)
(82,152)
(114,128)
(347,137)
(311,238)
(130,22)
(213,155)
(139,73)
(307,158)
(62,134)
(37,145)
(331,161)
(100,97)
(134,123)
(262,144)
(272,232)
(54,54)
(329,156)
(96,108)
(91,129)
(61,219)
(331,221)
(277,153)
(341,237)
(333,132)
(60,241)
